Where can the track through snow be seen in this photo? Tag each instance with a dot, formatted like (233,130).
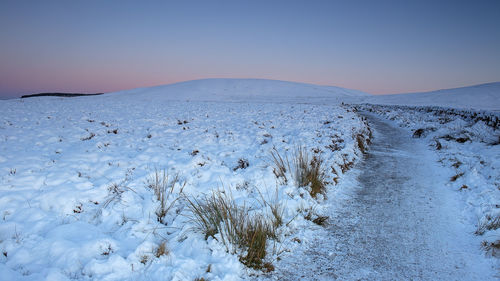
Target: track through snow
(397,220)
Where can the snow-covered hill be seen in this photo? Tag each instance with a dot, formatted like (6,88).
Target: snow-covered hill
(483,96)
(246,90)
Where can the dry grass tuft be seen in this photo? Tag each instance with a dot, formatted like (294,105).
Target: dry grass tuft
(162,250)
(281,166)
(277,209)
(455,177)
(489,223)
(242,164)
(347,165)
(491,247)
(308,171)
(164,189)
(360,139)
(237,230)
(320,220)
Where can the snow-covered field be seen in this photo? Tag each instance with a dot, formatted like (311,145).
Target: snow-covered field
(75,200)
(468,145)
(76,174)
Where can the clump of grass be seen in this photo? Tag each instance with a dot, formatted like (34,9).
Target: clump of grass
(281,166)
(347,165)
(360,139)
(455,177)
(89,137)
(164,189)
(320,220)
(310,215)
(116,189)
(488,223)
(144,259)
(277,209)
(242,164)
(308,171)
(238,231)
(491,247)
(162,250)
(253,236)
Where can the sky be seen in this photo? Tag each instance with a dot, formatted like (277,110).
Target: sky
(375,46)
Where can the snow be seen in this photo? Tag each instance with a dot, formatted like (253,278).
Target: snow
(482,97)
(247,90)
(468,153)
(74,199)
(75,202)
(396,220)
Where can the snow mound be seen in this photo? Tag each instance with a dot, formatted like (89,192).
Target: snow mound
(483,96)
(260,90)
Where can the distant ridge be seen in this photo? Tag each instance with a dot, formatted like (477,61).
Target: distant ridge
(482,96)
(67,95)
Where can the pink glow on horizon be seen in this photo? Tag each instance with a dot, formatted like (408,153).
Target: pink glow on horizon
(378,48)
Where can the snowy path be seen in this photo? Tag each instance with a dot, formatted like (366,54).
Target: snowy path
(399,223)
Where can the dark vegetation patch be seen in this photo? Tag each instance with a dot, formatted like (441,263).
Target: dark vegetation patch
(445,115)
(65,95)
(439,146)
(462,139)
(422,132)
(321,220)
(455,177)
(360,139)
(89,137)
(242,164)
(418,133)
(491,247)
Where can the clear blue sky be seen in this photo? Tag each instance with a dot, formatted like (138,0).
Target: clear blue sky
(374,46)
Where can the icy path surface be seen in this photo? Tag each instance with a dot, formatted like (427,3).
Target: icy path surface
(398,221)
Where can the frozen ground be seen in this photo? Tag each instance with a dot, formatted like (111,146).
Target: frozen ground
(75,201)
(396,221)
(467,146)
(74,196)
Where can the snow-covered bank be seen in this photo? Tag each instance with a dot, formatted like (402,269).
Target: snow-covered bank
(394,220)
(74,195)
(468,145)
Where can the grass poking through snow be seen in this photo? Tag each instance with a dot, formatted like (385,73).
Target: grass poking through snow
(488,223)
(164,189)
(307,170)
(217,215)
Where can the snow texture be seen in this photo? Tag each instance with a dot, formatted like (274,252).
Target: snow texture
(397,220)
(74,196)
(75,201)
